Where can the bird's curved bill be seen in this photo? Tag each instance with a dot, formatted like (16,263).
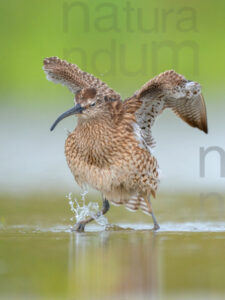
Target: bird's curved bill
(77,109)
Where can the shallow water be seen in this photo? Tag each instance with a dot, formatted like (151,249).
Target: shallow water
(40,258)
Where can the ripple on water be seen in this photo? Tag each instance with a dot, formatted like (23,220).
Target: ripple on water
(164,227)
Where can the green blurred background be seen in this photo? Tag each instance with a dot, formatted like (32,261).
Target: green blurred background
(77,30)
(124,43)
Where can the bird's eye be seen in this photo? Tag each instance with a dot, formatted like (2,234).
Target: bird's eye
(93,104)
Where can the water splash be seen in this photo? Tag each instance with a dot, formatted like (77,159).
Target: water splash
(81,210)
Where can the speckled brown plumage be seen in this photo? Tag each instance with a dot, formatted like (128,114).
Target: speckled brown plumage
(110,148)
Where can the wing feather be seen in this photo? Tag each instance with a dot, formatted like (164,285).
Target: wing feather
(192,111)
(168,90)
(70,75)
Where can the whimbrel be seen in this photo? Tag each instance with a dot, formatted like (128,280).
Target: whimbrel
(111,147)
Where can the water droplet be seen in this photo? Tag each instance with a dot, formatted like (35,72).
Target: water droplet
(81,210)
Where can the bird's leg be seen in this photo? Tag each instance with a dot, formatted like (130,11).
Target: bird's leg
(156,225)
(79,227)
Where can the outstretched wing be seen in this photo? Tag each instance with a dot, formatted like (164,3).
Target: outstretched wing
(168,90)
(70,75)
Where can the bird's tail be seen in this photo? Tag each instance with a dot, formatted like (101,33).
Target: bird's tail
(138,202)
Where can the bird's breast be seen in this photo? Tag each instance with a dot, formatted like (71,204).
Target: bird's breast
(109,159)
(90,152)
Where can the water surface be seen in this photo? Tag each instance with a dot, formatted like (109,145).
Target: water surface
(40,258)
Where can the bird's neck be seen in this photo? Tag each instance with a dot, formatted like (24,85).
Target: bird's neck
(91,125)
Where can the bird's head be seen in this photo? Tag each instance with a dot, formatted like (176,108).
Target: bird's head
(88,104)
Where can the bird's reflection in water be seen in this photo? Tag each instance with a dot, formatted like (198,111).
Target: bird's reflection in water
(113,265)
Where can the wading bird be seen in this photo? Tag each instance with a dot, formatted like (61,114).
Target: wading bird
(111,147)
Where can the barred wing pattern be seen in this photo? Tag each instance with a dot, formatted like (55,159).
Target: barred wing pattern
(168,90)
(192,111)
(70,75)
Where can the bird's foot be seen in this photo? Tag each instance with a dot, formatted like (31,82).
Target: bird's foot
(156,227)
(79,227)
(113,227)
